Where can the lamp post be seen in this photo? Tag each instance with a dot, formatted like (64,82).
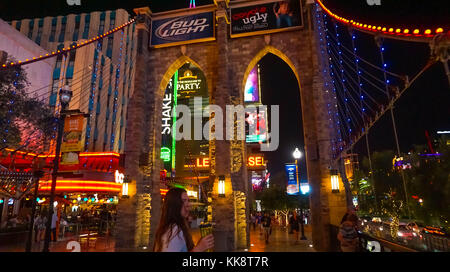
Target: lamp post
(65,94)
(297,155)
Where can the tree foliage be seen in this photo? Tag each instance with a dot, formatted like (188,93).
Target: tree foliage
(429,185)
(26,123)
(275,197)
(393,207)
(427,181)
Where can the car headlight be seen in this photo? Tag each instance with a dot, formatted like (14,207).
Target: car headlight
(399,234)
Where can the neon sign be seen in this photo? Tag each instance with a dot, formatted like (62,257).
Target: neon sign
(200,162)
(192,193)
(256,161)
(119,177)
(165,154)
(166,110)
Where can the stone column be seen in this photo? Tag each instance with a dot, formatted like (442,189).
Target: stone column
(133,215)
(223,213)
(327,207)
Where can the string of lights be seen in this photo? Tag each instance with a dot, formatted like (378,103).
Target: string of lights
(67,49)
(329,93)
(361,89)
(425,34)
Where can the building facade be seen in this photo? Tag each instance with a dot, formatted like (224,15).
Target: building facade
(99,74)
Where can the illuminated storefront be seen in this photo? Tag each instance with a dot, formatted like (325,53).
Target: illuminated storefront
(95,180)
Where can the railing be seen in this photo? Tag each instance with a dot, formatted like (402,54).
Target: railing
(378,241)
(418,241)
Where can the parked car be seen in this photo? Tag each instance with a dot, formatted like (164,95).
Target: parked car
(415,226)
(439,231)
(405,234)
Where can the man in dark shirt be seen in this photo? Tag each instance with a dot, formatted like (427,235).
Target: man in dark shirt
(266,220)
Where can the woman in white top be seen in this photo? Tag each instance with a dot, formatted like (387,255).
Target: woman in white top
(173,233)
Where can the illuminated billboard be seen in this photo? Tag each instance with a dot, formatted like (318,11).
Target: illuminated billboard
(265,18)
(182,29)
(256,126)
(292,187)
(252,86)
(257,181)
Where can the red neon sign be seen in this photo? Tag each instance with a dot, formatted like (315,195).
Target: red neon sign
(82,185)
(256,161)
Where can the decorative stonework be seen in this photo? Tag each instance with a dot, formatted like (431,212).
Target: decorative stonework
(240,220)
(142,234)
(226,64)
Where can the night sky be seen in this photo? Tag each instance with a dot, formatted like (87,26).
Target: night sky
(425,106)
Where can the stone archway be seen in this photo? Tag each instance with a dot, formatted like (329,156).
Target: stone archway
(268,49)
(225,63)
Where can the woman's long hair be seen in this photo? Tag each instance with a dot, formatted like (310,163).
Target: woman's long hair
(171,216)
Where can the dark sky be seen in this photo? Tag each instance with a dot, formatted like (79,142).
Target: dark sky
(279,87)
(425,106)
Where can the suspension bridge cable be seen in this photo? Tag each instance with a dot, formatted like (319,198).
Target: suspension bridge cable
(366,93)
(366,79)
(369,63)
(394,99)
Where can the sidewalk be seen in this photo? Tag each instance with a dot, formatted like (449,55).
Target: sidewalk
(280,241)
(101,244)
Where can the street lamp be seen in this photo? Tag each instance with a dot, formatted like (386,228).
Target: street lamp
(297,155)
(65,94)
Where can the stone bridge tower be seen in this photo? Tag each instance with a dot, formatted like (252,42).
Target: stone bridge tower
(226,63)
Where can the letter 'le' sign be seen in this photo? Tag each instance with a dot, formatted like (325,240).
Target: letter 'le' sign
(183,29)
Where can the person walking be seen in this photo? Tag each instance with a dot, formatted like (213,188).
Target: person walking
(253,221)
(266,223)
(38,222)
(258,222)
(53,226)
(173,234)
(42,225)
(348,234)
(294,222)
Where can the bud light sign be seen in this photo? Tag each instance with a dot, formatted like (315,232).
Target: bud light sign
(183,29)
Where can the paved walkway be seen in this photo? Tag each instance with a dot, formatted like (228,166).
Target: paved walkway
(280,241)
(100,244)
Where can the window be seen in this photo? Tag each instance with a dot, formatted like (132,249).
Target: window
(87,21)
(53,30)
(70,66)
(77,28)
(39,34)
(110,47)
(112,20)
(63,29)
(101,29)
(18,25)
(30,29)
